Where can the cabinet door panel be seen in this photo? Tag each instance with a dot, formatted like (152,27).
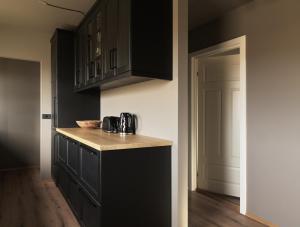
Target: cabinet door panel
(111,32)
(90,54)
(62,149)
(99,37)
(74,197)
(90,169)
(54,156)
(91,212)
(63,182)
(73,156)
(123,40)
(81,57)
(79,66)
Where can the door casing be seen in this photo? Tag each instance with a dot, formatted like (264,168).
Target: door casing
(238,43)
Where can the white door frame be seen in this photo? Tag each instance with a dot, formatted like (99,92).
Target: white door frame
(238,43)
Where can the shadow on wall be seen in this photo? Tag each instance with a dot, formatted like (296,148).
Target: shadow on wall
(199,36)
(10,157)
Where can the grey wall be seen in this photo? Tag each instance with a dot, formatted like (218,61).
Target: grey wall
(273,101)
(19,113)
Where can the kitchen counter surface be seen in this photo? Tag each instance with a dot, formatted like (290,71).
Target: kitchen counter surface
(103,141)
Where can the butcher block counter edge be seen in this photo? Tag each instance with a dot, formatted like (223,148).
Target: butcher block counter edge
(103,141)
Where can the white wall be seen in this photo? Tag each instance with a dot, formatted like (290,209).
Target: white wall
(161,107)
(24,44)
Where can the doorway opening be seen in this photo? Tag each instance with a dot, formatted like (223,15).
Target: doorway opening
(19,114)
(218,123)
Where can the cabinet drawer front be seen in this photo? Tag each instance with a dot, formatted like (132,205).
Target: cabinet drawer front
(74,197)
(73,156)
(91,212)
(62,149)
(90,170)
(55,144)
(63,182)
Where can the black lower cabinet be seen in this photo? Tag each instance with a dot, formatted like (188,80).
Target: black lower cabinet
(63,182)
(73,156)
(121,188)
(75,198)
(62,149)
(91,212)
(90,170)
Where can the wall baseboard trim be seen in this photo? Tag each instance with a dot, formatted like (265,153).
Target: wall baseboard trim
(260,220)
(19,168)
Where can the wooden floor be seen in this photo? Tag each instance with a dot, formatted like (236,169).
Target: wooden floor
(26,201)
(230,202)
(209,211)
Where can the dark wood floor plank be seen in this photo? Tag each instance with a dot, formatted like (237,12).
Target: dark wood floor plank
(205,211)
(26,201)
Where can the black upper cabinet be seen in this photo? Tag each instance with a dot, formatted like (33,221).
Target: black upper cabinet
(67,106)
(110,42)
(123,38)
(126,41)
(78,82)
(89,46)
(90,60)
(98,37)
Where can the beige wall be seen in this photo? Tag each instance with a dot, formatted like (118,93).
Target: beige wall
(161,107)
(24,44)
(273,94)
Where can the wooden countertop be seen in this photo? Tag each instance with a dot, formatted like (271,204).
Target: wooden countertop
(103,141)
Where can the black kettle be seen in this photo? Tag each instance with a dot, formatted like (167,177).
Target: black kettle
(127,123)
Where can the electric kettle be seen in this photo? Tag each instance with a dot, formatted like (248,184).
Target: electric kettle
(127,123)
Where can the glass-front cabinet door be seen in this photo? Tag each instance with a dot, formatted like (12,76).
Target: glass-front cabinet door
(99,45)
(90,60)
(80,58)
(95,48)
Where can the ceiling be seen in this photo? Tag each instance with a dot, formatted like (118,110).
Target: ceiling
(203,11)
(33,15)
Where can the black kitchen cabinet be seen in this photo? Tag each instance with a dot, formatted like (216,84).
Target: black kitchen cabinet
(123,38)
(73,157)
(90,170)
(74,197)
(63,182)
(90,61)
(54,153)
(136,42)
(89,46)
(99,40)
(91,211)
(135,186)
(80,74)
(110,42)
(68,106)
(62,150)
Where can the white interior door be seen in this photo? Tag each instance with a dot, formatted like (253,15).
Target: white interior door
(219,127)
